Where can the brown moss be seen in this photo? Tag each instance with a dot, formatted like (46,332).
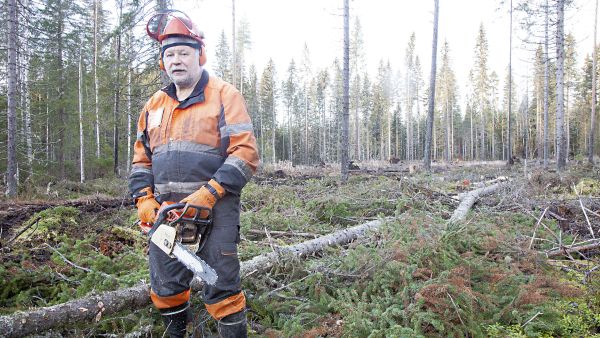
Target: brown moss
(423,274)
(330,326)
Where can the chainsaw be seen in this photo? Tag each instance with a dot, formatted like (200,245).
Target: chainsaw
(181,236)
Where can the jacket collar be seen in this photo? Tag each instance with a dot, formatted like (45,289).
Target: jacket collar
(197,95)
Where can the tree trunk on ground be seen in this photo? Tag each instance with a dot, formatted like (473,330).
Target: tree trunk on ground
(469,199)
(12,104)
(346,98)
(429,130)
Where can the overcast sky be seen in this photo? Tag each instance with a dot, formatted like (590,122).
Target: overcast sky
(280,28)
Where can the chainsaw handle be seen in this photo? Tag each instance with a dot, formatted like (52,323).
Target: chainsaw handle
(184,207)
(162,216)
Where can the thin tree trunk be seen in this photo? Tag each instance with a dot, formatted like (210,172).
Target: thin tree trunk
(233,54)
(509,143)
(80,97)
(429,129)
(346,98)
(273,157)
(26,94)
(117,97)
(593,117)
(472,143)
(546,89)
(61,104)
(12,104)
(560,59)
(129,127)
(96,81)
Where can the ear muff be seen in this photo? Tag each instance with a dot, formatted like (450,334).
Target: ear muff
(202,55)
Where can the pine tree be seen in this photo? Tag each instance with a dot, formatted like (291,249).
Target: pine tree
(223,59)
(268,117)
(446,100)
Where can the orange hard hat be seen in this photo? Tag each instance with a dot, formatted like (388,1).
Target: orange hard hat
(173,27)
(173,23)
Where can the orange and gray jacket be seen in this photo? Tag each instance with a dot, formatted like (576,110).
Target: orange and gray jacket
(182,145)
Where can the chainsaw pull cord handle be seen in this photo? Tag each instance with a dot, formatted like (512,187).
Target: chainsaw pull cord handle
(162,216)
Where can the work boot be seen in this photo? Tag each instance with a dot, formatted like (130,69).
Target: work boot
(233,326)
(176,322)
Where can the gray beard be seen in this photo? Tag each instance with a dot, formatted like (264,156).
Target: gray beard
(184,83)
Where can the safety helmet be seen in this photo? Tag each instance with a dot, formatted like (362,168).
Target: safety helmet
(174,28)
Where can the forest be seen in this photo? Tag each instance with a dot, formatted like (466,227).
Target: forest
(400,203)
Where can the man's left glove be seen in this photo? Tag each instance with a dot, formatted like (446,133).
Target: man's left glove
(205,197)
(146,208)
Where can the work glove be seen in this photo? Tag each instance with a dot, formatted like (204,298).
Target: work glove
(146,207)
(205,197)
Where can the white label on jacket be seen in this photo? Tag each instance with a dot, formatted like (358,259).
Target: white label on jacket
(155,118)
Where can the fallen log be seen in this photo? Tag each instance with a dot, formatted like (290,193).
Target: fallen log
(91,308)
(469,199)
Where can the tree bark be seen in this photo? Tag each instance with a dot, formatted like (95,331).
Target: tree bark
(80,97)
(560,113)
(428,132)
(96,81)
(469,199)
(593,117)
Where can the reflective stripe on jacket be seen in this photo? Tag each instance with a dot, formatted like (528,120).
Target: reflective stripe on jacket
(182,145)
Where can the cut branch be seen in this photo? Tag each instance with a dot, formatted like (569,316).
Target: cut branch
(576,249)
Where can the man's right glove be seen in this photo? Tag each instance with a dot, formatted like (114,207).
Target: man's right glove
(205,197)
(147,206)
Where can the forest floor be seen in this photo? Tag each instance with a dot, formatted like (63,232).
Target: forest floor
(503,272)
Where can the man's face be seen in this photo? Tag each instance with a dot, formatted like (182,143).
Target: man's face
(182,65)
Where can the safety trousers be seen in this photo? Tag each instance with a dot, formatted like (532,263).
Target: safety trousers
(170,280)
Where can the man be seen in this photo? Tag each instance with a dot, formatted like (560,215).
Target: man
(195,145)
